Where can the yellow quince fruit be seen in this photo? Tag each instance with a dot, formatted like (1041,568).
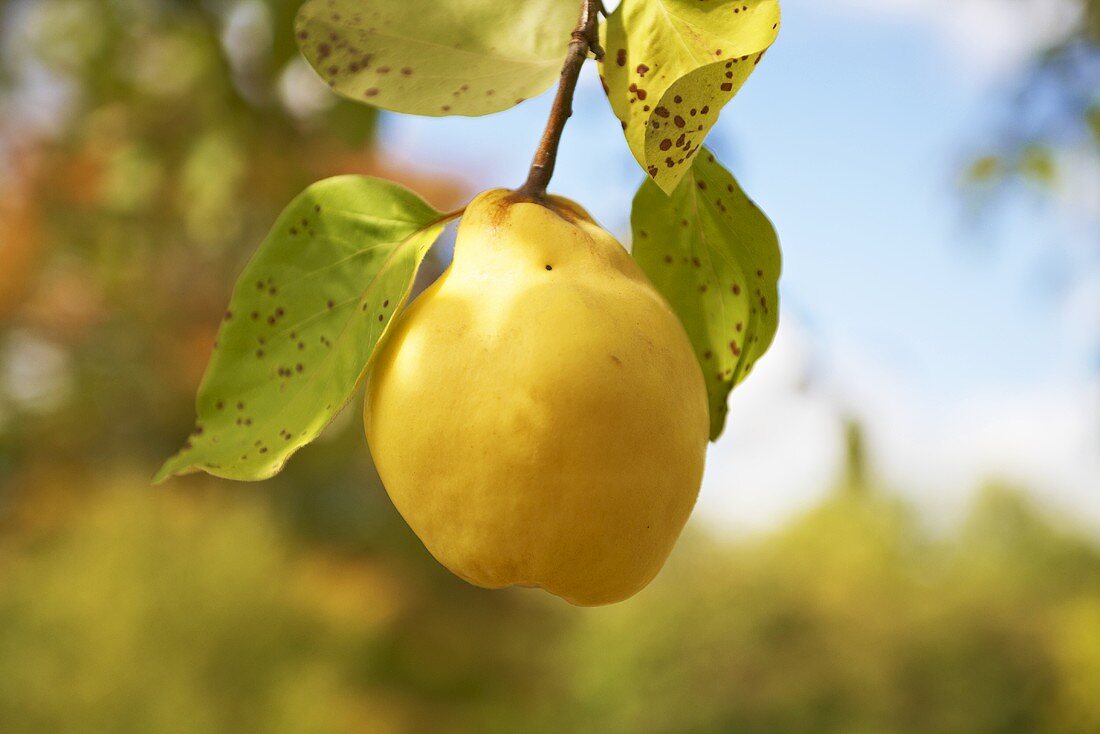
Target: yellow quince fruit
(537,415)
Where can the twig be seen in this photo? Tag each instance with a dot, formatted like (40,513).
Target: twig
(585,39)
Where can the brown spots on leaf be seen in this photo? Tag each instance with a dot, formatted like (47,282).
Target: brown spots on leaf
(620,57)
(371,92)
(642,69)
(665,144)
(726,87)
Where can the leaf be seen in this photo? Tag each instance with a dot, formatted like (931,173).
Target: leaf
(715,256)
(303,323)
(433,57)
(670,67)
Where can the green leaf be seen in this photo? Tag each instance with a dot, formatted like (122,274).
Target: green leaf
(303,323)
(715,256)
(670,67)
(433,57)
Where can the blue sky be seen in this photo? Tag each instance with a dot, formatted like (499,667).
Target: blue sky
(940,335)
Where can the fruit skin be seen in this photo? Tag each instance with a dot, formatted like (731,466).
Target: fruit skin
(537,415)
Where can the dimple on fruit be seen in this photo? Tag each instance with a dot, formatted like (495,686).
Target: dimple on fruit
(537,415)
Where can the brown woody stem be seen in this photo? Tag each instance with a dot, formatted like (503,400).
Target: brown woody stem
(585,39)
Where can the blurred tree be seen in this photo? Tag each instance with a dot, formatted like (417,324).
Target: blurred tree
(852,620)
(146,147)
(1055,117)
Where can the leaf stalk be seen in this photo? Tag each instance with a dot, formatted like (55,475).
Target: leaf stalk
(585,39)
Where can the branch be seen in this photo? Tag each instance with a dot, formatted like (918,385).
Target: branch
(585,39)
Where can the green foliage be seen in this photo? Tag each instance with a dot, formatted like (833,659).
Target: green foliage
(849,620)
(715,256)
(303,322)
(670,67)
(424,57)
(129,612)
(143,616)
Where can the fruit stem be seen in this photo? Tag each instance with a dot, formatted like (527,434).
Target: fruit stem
(586,38)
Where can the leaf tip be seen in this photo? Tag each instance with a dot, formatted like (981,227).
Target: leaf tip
(166,472)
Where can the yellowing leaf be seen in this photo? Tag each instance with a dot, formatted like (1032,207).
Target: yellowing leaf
(437,57)
(303,322)
(671,65)
(715,256)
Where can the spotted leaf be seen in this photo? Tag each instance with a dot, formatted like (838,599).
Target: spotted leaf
(427,57)
(715,257)
(303,323)
(670,67)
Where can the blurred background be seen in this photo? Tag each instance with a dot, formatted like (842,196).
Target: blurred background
(898,532)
